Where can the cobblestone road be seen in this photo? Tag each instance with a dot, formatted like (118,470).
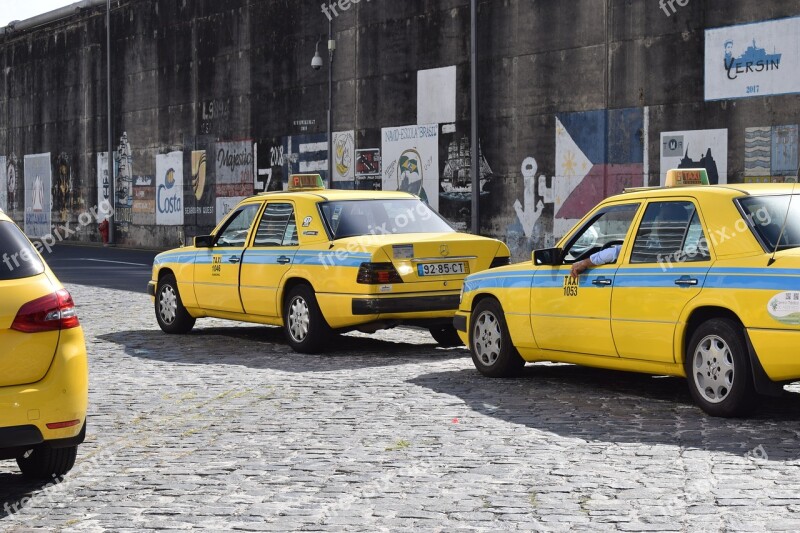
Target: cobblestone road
(227,429)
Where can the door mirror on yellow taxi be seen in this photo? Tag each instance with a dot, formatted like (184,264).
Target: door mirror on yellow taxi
(547,256)
(204,241)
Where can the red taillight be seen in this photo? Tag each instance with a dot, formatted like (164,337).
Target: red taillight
(378,274)
(49,313)
(62,425)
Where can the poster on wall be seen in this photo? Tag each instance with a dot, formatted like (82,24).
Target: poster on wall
(436,95)
(750,60)
(103,179)
(696,149)
(770,154)
(3,185)
(123,197)
(199,193)
(225,205)
(65,196)
(368,169)
(306,154)
(410,157)
(344,161)
(455,194)
(12,183)
(143,210)
(270,163)
(169,189)
(38,195)
(233,168)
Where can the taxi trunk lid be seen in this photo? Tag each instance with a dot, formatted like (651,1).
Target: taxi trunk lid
(24,357)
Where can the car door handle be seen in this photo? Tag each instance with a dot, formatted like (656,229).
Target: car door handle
(283,260)
(601,281)
(686,281)
(233,259)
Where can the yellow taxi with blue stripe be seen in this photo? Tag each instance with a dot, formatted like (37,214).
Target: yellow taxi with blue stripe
(688,280)
(317,260)
(43,364)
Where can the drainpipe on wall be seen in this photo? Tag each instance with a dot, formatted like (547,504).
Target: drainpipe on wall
(474,163)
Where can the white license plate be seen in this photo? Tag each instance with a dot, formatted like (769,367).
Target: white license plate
(442,269)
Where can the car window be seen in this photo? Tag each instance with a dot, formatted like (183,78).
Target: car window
(670,231)
(390,216)
(238,226)
(277,226)
(775,220)
(608,227)
(19,259)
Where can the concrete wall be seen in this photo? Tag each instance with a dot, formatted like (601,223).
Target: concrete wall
(575,97)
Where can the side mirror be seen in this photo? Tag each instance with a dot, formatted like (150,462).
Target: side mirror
(548,256)
(204,241)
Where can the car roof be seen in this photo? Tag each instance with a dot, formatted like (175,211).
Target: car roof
(731,190)
(317,195)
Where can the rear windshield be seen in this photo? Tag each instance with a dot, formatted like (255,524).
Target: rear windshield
(775,219)
(382,217)
(18,259)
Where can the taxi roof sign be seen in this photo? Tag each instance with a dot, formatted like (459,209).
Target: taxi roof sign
(685,177)
(299,182)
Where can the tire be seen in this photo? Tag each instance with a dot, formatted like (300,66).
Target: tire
(490,344)
(305,327)
(446,336)
(48,463)
(718,369)
(171,315)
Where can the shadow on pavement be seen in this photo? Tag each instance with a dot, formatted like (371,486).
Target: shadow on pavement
(265,347)
(16,491)
(618,407)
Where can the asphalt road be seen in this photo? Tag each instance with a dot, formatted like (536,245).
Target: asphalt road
(110,268)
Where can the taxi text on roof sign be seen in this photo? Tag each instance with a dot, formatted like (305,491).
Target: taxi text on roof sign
(305,182)
(684,177)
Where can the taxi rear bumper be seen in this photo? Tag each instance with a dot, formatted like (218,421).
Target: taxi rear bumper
(412,304)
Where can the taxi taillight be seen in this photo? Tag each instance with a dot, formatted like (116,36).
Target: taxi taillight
(53,312)
(378,274)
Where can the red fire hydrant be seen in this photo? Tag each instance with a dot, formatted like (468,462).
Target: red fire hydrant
(103,229)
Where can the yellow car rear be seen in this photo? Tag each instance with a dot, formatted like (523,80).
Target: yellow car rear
(43,364)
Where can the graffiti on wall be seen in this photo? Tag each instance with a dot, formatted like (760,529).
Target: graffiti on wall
(455,186)
(344,162)
(368,169)
(169,189)
(214,116)
(598,153)
(530,211)
(12,183)
(65,197)
(270,163)
(706,149)
(199,193)
(143,210)
(3,185)
(103,179)
(306,154)
(770,154)
(38,195)
(411,161)
(233,167)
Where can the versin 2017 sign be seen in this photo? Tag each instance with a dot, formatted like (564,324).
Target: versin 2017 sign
(753,59)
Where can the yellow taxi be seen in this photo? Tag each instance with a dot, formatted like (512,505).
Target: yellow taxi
(317,260)
(43,364)
(687,280)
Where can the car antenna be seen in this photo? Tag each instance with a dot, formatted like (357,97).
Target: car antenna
(786,219)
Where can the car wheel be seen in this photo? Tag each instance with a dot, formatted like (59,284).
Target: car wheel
(44,462)
(490,344)
(172,316)
(446,336)
(718,369)
(305,327)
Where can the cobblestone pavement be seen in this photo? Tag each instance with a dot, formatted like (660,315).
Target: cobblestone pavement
(227,429)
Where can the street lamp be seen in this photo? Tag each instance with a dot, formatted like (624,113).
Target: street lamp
(316,64)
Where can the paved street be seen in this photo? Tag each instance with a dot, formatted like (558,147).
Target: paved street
(225,429)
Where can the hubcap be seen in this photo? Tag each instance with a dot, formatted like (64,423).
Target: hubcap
(298,319)
(167,304)
(713,369)
(486,337)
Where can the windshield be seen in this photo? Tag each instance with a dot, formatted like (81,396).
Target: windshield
(767,216)
(18,259)
(391,216)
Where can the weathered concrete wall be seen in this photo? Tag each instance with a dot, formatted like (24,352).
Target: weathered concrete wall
(217,100)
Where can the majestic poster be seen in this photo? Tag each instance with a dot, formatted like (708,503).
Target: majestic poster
(410,157)
(3,185)
(169,189)
(38,195)
(706,149)
(344,161)
(749,60)
(233,164)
